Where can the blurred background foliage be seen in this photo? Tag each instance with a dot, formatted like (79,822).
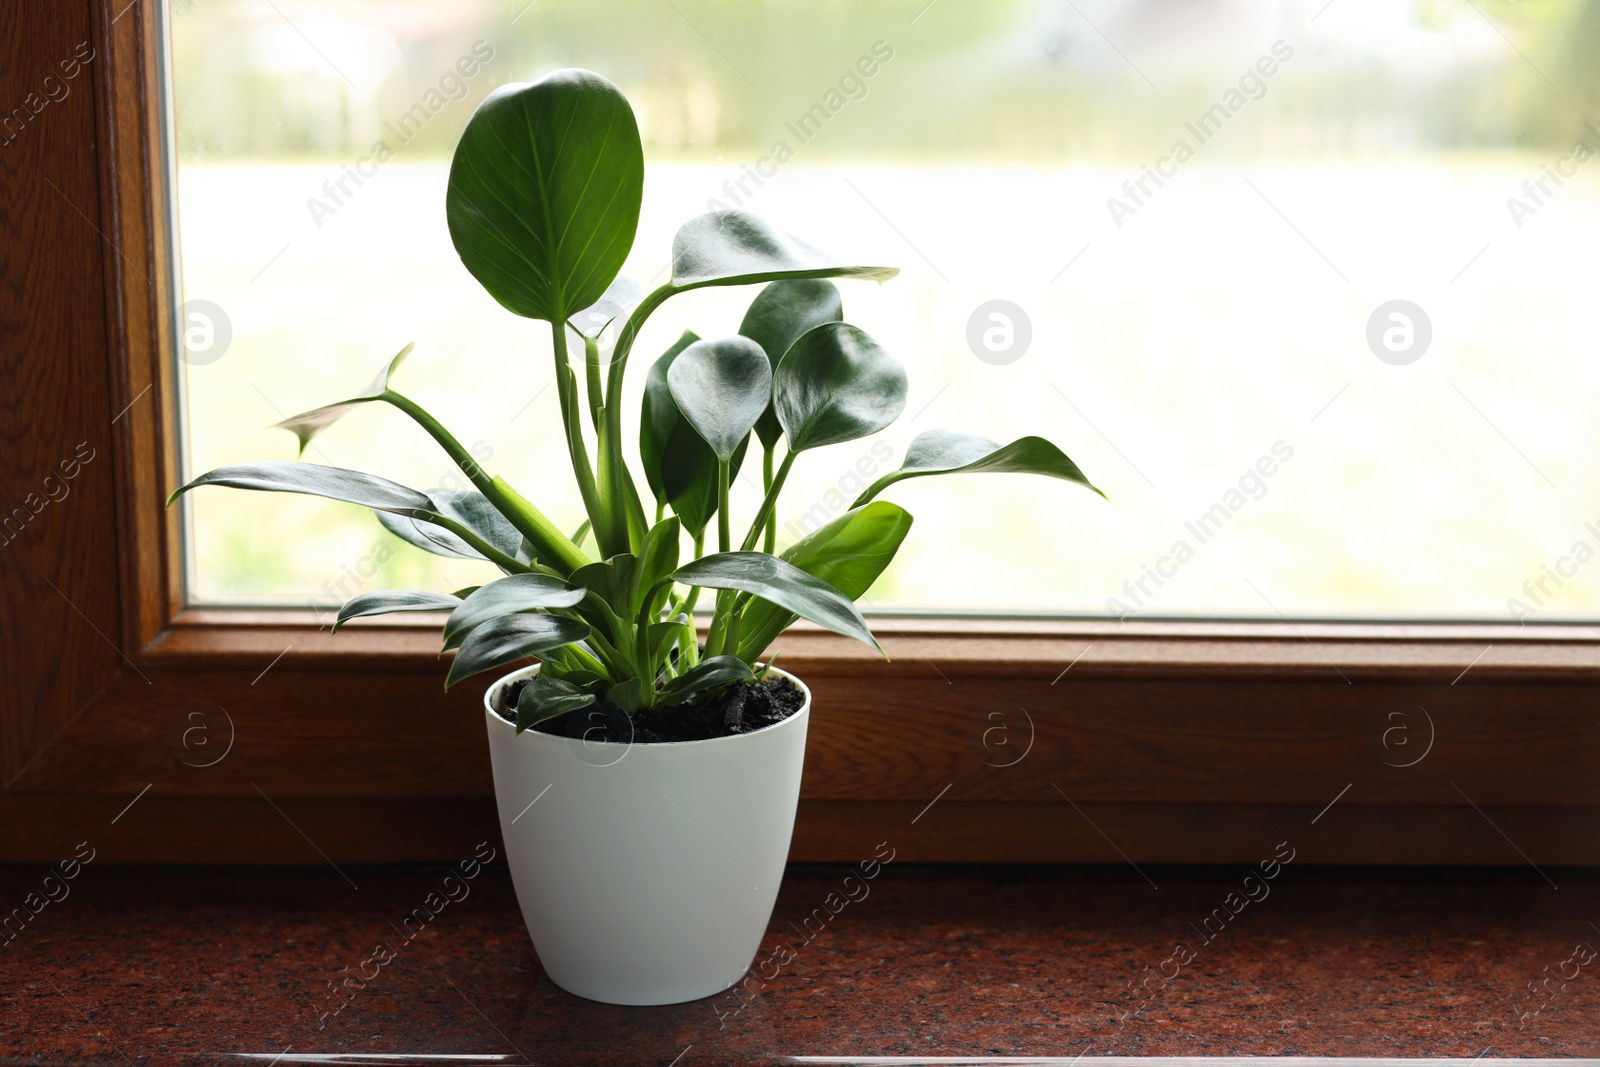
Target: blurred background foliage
(998,80)
(1170,349)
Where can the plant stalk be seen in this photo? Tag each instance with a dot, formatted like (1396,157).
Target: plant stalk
(601,514)
(769,502)
(591,359)
(771,542)
(724,534)
(550,545)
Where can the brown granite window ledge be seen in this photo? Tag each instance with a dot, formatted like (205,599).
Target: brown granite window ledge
(192,966)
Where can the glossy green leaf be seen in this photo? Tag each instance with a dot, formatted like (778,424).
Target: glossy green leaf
(658,558)
(471,509)
(776,318)
(782,583)
(385,601)
(308,424)
(951,452)
(544,697)
(848,553)
(836,384)
(679,466)
(662,635)
(544,192)
(659,419)
(612,580)
(508,596)
(738,248)
(627,695)
(511,638)
(718,670)
(335,483)
(721,387)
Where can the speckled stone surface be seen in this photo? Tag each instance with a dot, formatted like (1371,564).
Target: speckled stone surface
(194,966)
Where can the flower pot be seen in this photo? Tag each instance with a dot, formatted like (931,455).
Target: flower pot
(646,873)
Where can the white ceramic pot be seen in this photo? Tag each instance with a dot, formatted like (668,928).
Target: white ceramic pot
(646,873)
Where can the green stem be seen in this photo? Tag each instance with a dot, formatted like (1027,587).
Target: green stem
(771,542)
(550,545)
(724,534)
(588,660)
(600,512)
(688,644)
(493,554)
(613,467)
(730,637)
(591,359)
(768,504)
(619,354)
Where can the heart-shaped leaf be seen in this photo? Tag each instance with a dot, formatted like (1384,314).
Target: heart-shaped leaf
(952,452)
(836,384)
(546,697)
(471,509)
(335,483)
(678,464)
(717,670)
(384,601)
(784,584)
(508,596)
(308,424)
(848,553)
(776,318)
(738,248)
(721,387)
(510,638)
(544,192)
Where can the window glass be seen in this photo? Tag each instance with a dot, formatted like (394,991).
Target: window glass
(1305,287)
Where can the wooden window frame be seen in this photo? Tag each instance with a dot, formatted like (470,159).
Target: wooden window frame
(982,740)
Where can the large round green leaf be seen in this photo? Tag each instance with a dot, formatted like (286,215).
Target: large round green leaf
(953,452)
(544,192)
(776,318)
(835,384)
(722,387)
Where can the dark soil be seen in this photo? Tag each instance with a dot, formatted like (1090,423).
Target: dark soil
(738,709)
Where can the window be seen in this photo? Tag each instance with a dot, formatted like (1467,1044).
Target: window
(1180,739)
(1299,284)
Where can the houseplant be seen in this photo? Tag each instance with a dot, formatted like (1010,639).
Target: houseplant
(652,744)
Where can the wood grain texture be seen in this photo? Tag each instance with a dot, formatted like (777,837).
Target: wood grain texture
(266,828)
(59,602)
(348,733)
(138,308)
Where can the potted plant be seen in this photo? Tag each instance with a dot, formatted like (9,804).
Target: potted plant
(646,779)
